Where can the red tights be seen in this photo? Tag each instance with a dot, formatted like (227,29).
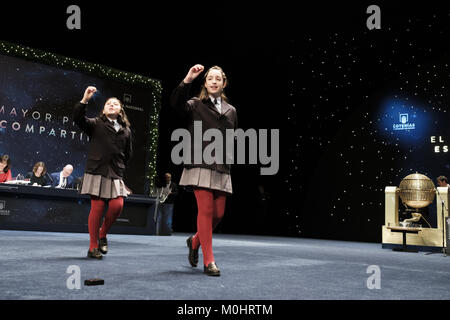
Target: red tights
(211,207)
(98,205)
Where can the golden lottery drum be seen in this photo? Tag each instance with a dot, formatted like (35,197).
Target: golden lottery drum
(417,191)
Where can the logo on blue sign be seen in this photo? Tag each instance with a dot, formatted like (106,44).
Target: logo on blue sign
(404,123)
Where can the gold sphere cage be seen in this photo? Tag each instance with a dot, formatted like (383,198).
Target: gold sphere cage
(417,191)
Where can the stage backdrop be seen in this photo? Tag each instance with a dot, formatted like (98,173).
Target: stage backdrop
(367,109)
(37,93)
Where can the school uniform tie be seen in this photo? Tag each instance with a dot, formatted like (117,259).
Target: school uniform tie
(217,104)
(116,126)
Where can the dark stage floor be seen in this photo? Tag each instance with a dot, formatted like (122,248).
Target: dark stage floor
(33,266)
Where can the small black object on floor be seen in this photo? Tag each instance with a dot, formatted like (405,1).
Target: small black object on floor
(94,282)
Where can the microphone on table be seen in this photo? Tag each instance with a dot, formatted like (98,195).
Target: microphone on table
(51,179)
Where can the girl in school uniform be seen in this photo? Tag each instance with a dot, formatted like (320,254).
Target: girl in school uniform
(109,151)
(211,182)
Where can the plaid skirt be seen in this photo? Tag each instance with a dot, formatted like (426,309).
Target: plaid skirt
(206,178)
(102,187)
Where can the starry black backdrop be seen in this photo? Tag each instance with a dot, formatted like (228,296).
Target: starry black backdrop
(314,71)
(347,86)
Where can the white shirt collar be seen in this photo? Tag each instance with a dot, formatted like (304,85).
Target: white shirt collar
(219,99)
(115,123)
(61,180)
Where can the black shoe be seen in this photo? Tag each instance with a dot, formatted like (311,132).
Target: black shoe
(211,269)
(103,245)
(94,254)
(193,254)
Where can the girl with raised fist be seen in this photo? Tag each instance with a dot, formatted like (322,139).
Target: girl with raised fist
(109,152)
(211,182)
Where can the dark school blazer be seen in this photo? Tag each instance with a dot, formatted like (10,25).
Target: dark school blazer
(109,151)
(207,113)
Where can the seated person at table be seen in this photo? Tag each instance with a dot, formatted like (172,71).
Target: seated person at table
(37,177)
(63,179)
(5,168)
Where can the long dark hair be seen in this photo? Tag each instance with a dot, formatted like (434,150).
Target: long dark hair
(6,158)
(204,93)
(122,118)
(40,164)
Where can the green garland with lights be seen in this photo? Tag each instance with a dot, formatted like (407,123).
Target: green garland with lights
(106,72)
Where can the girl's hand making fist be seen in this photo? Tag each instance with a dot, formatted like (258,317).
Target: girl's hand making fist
(193,73)
(88,93)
